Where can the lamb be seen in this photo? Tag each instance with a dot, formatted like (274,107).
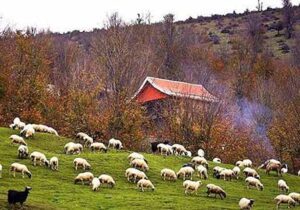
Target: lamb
(135,174)
(251,172)
(17,167)
(15,139)
(84,177)
(199,161)
(214,189)
(191,186)
(285,199)
(98,146)
(202,172)
(251,181)
(40,157)
(95,184)
(246,204)
(295,196)
(23,152)
(165,149)
(244,163)
(200,152)
(28,131)
(140,164)
(227,174)
(236,170)
(106,179)
(135,155)
(179,149)
(217,160)
(282,186)
(1,168)
(54,163)
(185,172)
(115,144)
(168,173)
(14,196)
(284,169)
(80,162)
(145,183)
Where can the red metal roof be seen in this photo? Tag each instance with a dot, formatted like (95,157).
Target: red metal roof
(156,88)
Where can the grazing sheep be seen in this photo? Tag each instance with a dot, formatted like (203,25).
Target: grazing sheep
(284,199)
(74,148)
(15,139)
(54,163)
(139,164)
(251,172)
(82,163)
(134,175)
(200,153)
(284,169)
(17,124)
(217,170)
(251,181)
(106,179)
(202,172)
(282,186)
(145,183)
(23,151)
(14,196)
(84,177)
(295,196)
(135,155)
(28,131)
(40,157)
(155,144)
(1,168)
(199,161)
(214,189)
(98,146)
(165,149)
(246,204)
(236,170)
(244,163)
(227,174)
(86,138)
(179,149)
(17,167)
(191,186)
(217,160)
(270,161)
(185,173)
(168,173)
(115,144)
(273,167)
(51,131)
(95,184)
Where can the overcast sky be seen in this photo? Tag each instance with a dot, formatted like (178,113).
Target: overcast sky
(67,15)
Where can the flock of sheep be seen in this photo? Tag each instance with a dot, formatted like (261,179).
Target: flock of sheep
(139,167)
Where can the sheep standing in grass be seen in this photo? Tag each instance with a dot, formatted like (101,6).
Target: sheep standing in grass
(107,179)
(95,184)
(214,189)
(199,161)
(134,175)
(136,155)
(251,172)
(145,184)
(139,164)
(284,199)
(246,204)
(185,173)
(17,167)
(168,173)
(52,131)
(179,149)
(191,186)
(282,186)
(17,124)
(39,157)
(82,163)
(54,163)
(251,181)
(23,151)
(98,146)
(295,196)
(202,172)
(217,160)
(244,163)
(236,170)
(28,131)
(14,196)
(84,177)
(115,144)
(217,170)
(227,174)
(15,139)
(73,148)
(165,149)
(86,138)
(284,169)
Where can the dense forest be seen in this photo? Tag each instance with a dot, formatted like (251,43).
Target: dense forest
(84,81)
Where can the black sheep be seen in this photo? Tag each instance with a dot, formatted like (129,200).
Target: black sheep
(14,196)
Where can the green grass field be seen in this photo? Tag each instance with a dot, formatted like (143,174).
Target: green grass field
(56,190)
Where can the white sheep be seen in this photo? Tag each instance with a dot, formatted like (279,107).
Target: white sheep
(1,168)
(165,149)
(145,183)
(227,174)
(250,172)
(68,145)
(17,167)
(284,169)
(246,204)
(98,146)
(284,199)
(39,157)
(28,131)
(236,170)
(86,138)
(168,173)
(51,131)
(202,172)
(23,151)
(82,163)
(54,163)
(179,149)
(134,175)
(185,172)
(74,148)
(15,139)
(199,161)
(191,186)
(107,179)
(217,160)
(135,155)
(282,186)
(84,177)
(214,189)
(17,124)
(251,181)
(140,164)
(201,153)
(115,144)
(244,163)
(295,196)
(95,184)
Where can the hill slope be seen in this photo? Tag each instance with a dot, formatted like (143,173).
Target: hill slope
(56,190)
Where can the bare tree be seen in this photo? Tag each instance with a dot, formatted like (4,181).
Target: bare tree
(288,17)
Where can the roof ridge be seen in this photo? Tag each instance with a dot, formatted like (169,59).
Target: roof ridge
(173,81)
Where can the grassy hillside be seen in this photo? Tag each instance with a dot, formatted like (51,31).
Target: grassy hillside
(56,190)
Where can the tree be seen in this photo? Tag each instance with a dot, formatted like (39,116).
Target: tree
(288,17)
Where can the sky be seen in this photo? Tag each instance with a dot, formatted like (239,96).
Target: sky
(68,15)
